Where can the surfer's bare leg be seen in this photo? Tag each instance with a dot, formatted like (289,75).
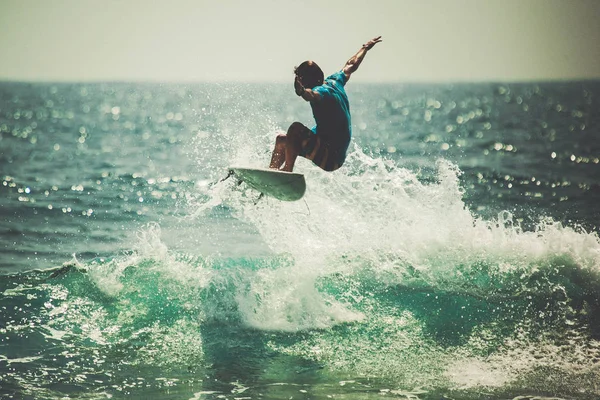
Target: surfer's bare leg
(287,147)
(278,157)
(296,132)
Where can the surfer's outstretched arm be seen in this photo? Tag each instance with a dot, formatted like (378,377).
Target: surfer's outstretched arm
(353,63)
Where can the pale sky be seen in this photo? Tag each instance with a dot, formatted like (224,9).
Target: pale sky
(262,40)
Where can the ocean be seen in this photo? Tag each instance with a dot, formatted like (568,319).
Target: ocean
(455,255)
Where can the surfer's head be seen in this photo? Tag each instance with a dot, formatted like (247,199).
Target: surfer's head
(310,74)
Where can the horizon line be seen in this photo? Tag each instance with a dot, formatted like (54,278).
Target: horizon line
(281,82)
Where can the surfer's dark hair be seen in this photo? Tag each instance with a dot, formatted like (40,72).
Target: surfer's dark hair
(311,74)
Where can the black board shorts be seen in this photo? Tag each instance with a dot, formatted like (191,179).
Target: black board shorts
(321,152)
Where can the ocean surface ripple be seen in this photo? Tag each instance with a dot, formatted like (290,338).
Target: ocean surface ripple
(455,254)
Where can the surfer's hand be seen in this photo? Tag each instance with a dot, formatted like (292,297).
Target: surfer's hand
(298,86)
(369,45)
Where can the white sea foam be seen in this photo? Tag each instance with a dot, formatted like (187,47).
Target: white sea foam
(287,299)
(378,224)
(370,224)
(371,208)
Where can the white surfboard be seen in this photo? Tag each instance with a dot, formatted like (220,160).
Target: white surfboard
(287,186)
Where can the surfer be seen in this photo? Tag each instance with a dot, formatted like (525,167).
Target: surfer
(326,143)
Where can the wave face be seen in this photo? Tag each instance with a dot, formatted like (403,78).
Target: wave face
(386,279)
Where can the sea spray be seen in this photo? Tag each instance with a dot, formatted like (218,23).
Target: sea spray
(395,249)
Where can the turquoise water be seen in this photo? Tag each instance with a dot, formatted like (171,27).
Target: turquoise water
(455,255)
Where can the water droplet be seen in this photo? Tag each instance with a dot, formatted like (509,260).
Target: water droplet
(427,116)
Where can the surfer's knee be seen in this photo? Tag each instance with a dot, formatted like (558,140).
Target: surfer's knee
(295,128)
(280,139)
(295,131)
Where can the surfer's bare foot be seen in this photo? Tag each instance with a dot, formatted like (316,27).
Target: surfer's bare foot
(278,157)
